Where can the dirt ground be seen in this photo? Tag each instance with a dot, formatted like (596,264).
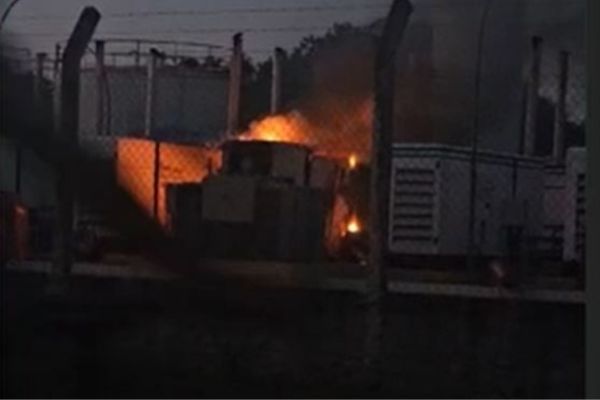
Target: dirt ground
(134,338)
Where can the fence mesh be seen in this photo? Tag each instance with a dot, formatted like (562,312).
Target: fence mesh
(163,128)
(258,165)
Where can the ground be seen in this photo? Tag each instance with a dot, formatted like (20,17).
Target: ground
(144,338)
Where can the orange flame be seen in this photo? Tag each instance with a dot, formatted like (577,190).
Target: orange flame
(352,161)
(353,225)
(291,128)
(334,134)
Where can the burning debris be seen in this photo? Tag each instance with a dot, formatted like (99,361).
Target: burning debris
(257,196)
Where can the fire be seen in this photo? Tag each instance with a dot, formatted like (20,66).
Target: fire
(352,161)
(342,135)
(291,128)
(353,226)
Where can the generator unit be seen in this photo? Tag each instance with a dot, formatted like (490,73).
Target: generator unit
(575,207)
(262,204)
(430,198)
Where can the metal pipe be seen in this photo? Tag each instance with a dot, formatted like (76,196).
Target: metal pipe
(475,143)
(558,149)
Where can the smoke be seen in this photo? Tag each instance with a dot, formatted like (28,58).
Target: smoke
(333,112)
(435,81)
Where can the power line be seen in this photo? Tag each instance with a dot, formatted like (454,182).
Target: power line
(224,11)
(271,10)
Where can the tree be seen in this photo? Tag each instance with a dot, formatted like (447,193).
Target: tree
(312,75)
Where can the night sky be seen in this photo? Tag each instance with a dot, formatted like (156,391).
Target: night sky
(39,24)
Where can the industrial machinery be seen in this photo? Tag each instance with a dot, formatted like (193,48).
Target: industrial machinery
(269,201)
(429,205)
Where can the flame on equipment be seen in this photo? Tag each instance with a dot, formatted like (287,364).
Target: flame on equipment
(353,226)
(290,128)
(352,161)
(346,136)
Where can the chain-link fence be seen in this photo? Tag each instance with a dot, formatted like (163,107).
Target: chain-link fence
(261,168)
(295,164)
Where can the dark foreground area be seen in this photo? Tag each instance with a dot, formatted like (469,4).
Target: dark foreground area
(126,338)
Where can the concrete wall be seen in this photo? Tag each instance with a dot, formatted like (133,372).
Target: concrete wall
(187,102)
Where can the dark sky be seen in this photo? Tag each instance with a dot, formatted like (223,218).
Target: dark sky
(40,23)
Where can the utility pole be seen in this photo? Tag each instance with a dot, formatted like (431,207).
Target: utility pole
(68,136)
(384,88)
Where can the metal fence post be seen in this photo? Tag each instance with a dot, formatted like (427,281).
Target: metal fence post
(384,74)
(150,109)
(558,148)
(69,125)
(471,250)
